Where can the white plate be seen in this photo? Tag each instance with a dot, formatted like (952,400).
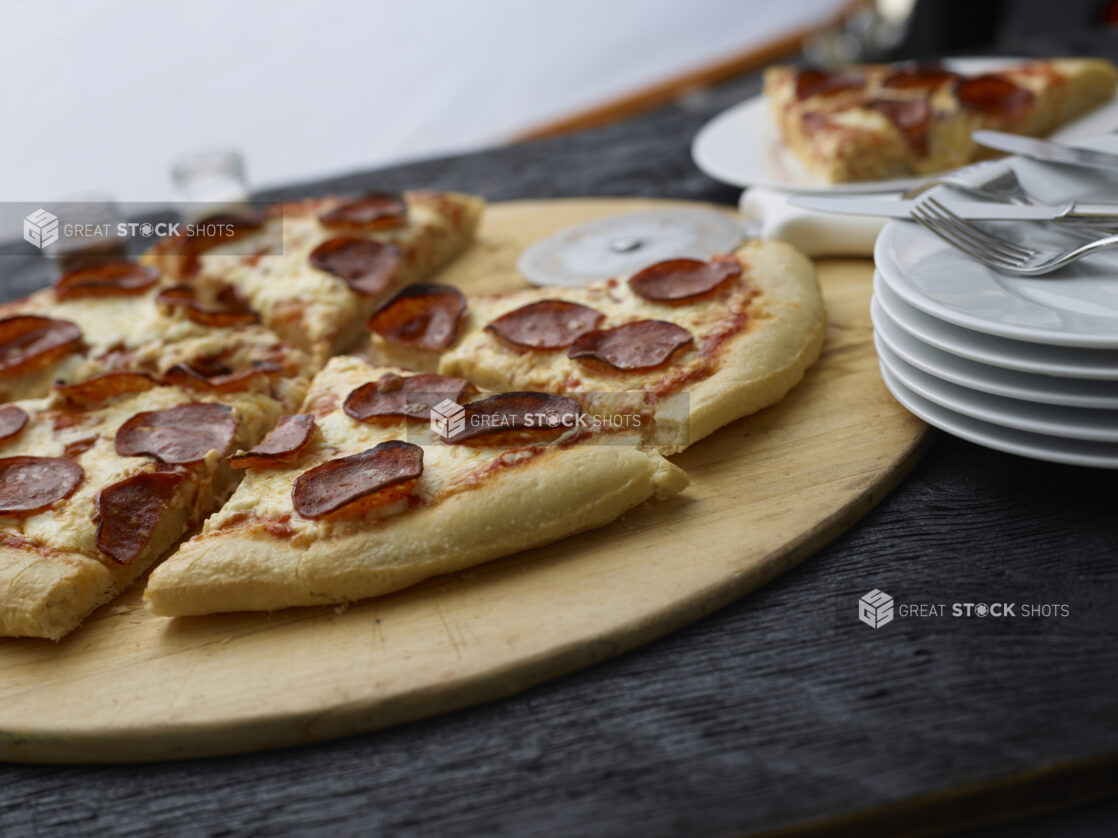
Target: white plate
(1046,389)
(1062,361)
(1076,306)
(1050,420)
(1053,449)
(741,146)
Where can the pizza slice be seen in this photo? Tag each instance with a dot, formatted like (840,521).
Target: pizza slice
(99,479)
(314,270)
(125,316)
(359,496)
(871,122)
(687,345)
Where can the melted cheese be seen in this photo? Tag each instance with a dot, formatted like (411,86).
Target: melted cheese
(70,524)
(265,493)
(282,284)
(135,333)
(482,358)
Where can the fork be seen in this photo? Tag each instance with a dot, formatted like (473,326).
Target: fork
(997,252)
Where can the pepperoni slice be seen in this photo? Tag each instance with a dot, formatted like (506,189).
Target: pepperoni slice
(31,484)
(546,325)
(911,117)
(643,345)
(12,420)
(424,317)
(366,266)
(393,396)
(131,510)
(80,446)
(113,279)
(103,387)
(929,77)
(996,96)
(29,343)
(822,83)
(180,435)
(684,280)
(231,310)
(286,442)
(508,416)
(189,378)
(356,484)
(377,211)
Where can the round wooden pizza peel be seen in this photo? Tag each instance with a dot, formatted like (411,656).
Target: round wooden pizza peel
(767,491)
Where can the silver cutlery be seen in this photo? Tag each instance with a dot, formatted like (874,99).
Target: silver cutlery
(1006,188)
(977,210)
(997,252)
(1046,150)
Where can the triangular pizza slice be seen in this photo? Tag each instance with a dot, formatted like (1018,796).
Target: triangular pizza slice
(876,121)
(689,344)
(125,316)
(388,477)
(99,479)
(314,270)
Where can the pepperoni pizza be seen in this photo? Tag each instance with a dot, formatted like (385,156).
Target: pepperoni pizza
(314,270)
(871,122)
(692,345)
(356,496)
(123,316)
(149,405)
(99,479)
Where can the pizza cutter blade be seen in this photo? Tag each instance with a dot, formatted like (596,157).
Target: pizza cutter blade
(623,244)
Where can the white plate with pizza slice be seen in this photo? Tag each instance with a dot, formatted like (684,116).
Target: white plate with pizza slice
(742,146)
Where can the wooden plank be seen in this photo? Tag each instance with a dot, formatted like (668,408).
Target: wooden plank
(767,492)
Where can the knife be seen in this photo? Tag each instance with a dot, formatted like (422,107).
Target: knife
(1046,150)
(976,210)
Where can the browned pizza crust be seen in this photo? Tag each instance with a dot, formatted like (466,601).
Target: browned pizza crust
(472,504)
(54,568)
(753,341)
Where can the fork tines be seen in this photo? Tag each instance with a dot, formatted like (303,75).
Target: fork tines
(971,239)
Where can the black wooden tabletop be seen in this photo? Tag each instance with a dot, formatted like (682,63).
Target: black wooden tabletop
(780,712)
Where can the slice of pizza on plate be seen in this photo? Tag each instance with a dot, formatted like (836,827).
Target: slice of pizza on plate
(102,477)
(358,496)
(125,316)
(688,344)
(314,270)
(870,122)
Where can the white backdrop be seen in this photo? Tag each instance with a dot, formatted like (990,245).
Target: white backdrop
(103,96)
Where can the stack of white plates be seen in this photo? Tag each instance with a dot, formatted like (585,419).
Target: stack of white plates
(1028,366)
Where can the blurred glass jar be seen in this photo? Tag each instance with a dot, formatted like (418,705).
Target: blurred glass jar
(209,182)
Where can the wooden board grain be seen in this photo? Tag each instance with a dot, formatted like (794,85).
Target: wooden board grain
(766,492)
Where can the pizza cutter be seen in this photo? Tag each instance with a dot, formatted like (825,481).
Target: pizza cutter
(623,244)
